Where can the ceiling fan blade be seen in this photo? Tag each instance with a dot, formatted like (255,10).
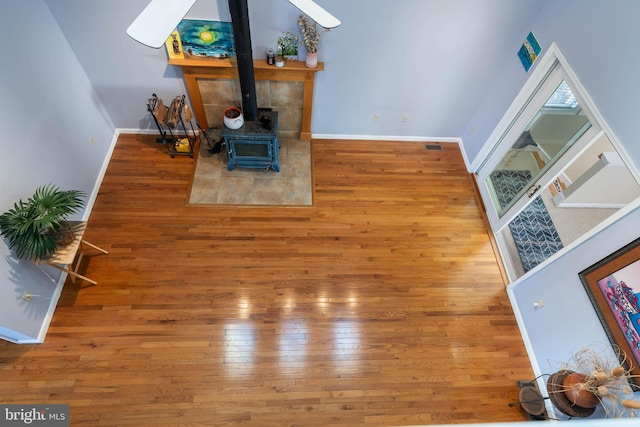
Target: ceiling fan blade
(315,12)
(156,22)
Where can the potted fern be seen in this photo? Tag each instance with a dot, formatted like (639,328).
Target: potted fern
(38,226)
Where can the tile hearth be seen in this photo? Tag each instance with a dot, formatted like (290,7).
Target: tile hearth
(292,186)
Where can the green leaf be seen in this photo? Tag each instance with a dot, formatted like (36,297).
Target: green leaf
(29,225)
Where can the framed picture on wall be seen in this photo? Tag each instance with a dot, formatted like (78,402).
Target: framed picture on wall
(205,39)
(529,52)
(613,286)
(288,47)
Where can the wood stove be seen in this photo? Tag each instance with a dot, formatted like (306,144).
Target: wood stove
(255,144)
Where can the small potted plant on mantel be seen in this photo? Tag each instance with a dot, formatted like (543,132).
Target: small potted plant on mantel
(38,226)
(287,49)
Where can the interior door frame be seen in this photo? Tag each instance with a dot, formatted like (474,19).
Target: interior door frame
(536,101)
(545,63)
(496,143)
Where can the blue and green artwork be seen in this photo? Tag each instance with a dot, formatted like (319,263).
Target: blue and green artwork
(529,51)
(206,38)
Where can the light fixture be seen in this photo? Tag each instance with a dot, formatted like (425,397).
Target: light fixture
(156,22)
(315,12)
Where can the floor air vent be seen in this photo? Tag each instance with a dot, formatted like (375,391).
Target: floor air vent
(433,147)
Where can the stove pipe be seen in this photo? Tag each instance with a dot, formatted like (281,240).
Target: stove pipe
(242,38)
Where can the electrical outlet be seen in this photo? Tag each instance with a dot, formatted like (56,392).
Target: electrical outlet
(92,141)
(405,118)
(376,117)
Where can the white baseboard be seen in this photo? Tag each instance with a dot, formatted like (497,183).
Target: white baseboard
(537,371)
(386,138)
(152,131)
(103,170)
(400,139)
(53,305)
(313,136)
(107,159)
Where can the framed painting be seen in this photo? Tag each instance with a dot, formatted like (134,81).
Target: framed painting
(206,39)
(529,52)
(613,286)
(288,47)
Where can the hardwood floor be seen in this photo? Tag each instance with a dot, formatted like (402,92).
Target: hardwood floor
(382,304)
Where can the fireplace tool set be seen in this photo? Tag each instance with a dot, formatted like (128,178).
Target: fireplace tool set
(170,119)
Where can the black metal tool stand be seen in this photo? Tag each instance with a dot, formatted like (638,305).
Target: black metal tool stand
(174,144)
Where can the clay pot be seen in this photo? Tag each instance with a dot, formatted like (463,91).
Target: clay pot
(577,392)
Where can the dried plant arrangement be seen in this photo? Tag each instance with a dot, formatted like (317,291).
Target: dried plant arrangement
(601,377)
(309,33)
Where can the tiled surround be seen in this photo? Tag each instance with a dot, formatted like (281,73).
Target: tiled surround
(273,94)
(285,97)
(292,186)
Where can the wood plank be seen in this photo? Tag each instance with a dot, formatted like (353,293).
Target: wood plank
(383,304)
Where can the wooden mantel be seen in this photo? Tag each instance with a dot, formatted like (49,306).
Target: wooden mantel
(295,71)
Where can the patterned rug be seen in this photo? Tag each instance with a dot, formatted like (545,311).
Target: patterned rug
(535,236)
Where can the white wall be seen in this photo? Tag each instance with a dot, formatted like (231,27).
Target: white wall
(429,59)
(123,72)
(54,130)
(596,38)
(567,322)
(600,44)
